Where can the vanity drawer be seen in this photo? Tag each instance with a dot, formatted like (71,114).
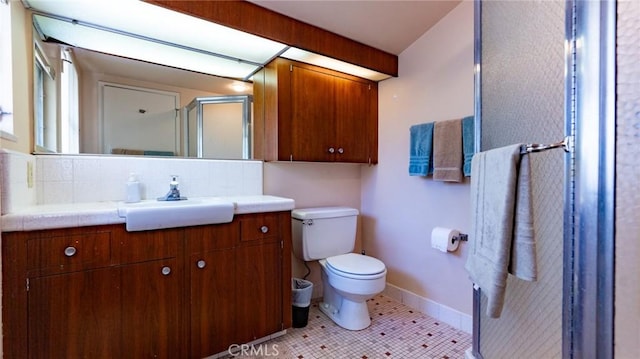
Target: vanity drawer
(259,227)
(68,253)
(134,247)
(207,238)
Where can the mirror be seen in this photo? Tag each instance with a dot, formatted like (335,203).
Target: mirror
(97,111)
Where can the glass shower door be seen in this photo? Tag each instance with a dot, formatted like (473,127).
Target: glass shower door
(218,127)
(522,94)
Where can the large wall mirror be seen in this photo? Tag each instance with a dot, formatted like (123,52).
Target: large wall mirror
(123,105)
(108,100)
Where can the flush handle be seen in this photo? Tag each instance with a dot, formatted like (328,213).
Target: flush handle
(70,251)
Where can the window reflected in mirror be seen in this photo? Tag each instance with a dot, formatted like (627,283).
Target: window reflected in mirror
(44,102)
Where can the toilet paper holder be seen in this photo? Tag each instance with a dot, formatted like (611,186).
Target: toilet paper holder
(460,237)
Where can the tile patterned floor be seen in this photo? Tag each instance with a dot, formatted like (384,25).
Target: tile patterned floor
(396,331)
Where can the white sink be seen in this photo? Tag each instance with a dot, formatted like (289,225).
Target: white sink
(152,214)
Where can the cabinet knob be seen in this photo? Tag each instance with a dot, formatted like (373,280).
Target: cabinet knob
(332,150)
(70,251)
(264,229)
(201,264)
(166,270)
(341,150)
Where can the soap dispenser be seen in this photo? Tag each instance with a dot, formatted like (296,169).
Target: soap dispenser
(133,189)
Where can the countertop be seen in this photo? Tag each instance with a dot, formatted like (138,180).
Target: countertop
(99,213)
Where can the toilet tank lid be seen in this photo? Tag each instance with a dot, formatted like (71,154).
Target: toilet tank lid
(323,212)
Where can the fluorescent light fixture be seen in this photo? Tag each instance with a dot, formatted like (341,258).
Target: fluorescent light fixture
(155,22)
(149,51)
(330,63)
(139,30)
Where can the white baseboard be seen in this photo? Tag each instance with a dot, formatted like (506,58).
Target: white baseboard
(436,310)
(468,354)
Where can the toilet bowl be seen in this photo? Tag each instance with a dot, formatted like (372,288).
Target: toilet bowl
(349,280)
(327,234)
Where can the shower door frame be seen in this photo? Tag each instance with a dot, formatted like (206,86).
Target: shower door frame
(590,235)
(588,258)
(198,104)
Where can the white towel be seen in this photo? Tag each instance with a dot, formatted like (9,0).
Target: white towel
(501,237)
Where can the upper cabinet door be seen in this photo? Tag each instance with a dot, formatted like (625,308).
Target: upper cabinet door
(312,115)
(354,120)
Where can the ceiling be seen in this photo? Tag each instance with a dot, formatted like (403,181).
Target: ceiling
(387,25)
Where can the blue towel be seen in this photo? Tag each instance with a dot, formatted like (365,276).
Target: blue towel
(421,141)
(158,153)
(468,137)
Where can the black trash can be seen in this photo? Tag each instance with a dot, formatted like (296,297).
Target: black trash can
(301,291)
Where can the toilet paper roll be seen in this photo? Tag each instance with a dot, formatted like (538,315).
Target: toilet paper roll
(442,239)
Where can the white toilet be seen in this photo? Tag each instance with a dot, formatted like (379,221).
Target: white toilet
(328,234)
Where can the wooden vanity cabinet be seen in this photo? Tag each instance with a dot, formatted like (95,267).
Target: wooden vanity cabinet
(103,292)
(98,292)
(239,281)
(311,113)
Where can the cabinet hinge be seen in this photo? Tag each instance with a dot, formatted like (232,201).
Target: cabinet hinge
(281,244)
(290,68)
(27,284)
(369,86)
(291,157)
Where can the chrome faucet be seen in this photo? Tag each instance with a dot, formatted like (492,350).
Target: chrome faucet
(174,192)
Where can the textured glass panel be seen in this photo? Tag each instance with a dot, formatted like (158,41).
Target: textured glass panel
(523,102)
(627,199)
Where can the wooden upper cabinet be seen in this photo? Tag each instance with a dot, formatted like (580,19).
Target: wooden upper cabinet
(315,114)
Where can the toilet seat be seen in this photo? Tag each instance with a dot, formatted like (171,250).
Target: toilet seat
(356,266)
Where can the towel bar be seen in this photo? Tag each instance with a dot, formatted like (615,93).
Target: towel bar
(537,147)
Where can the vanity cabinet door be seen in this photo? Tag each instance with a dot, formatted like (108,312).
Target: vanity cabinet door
(213,302)
(131,311)
(212,287)
(258,283)
(75,315)
(152,308)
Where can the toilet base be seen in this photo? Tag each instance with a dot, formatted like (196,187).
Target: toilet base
(351,315)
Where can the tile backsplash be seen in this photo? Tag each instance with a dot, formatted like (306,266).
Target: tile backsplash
(64,179)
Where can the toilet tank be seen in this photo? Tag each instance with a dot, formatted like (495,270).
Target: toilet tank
(322,232)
